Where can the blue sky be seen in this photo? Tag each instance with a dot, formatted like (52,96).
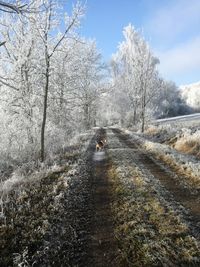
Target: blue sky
(172,27)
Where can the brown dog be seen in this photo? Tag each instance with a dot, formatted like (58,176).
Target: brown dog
(100,145)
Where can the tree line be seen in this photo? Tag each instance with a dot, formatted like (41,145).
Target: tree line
(53,81)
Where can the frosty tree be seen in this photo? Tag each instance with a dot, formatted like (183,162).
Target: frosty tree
(45,23)
(135,73)
(48,77)
(89,75)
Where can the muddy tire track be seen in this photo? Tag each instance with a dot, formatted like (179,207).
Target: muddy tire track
(103,247)
(175,191)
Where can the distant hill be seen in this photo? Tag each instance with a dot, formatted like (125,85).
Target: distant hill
(191,94)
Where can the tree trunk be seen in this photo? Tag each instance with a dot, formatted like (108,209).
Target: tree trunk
(143,121)
(45,108)
(143,109)
(134,114)
(86,117)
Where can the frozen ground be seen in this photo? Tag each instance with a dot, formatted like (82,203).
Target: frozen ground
(118,207)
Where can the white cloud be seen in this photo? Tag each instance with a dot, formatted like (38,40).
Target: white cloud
(181,59)
(175,34)
(176,18)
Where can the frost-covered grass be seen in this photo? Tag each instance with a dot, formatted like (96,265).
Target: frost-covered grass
(27,158)
(188,143)
(28,174)
(149,233)
(68,152)
(32,201)
(183,136)
(27,213)
(186,166)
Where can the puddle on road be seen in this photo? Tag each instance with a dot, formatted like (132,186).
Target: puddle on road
(99,156)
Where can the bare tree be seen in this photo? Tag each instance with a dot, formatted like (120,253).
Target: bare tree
(50,50)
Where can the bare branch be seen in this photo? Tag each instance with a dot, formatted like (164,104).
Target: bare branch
(15,8)
(73,21)
(2,43)
(9,85)
(10,8)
